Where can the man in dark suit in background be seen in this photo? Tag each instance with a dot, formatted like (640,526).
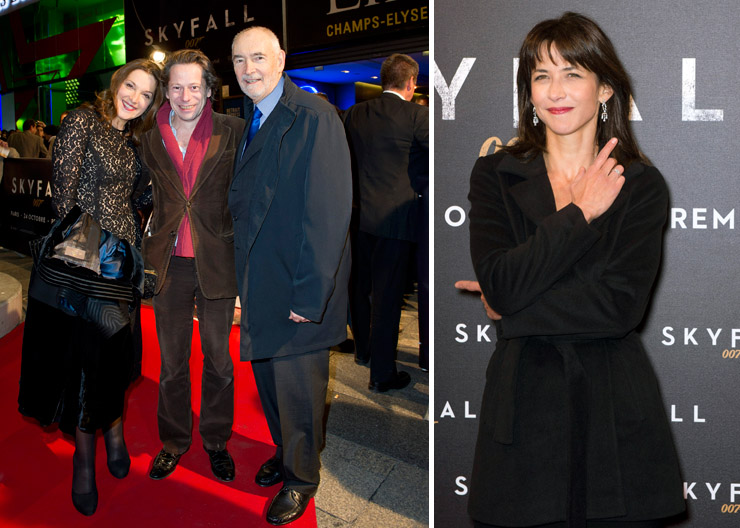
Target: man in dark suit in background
(389,139)
(291,201)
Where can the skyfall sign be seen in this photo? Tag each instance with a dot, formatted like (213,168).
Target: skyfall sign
(25,202)
(207,26)
(329,22)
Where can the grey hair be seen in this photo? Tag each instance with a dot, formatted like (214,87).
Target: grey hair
(270,32)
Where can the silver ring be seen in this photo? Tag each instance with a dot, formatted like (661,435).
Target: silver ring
(619,172)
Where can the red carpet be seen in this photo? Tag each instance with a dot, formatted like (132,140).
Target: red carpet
(36,463)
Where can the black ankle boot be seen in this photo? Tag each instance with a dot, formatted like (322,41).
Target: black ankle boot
(119,468)
(119,461)
(85,503)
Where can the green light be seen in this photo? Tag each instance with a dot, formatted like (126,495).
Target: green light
(72,93)
(58,66)
(116,42)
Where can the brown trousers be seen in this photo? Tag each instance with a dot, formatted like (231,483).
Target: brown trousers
(173,310)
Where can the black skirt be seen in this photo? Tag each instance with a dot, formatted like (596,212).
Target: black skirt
(71,373)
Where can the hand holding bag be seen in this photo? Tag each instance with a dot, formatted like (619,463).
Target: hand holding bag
(88,272)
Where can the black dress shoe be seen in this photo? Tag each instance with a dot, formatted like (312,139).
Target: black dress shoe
(85,503)
(287,506)
(164,464)
(270,473)
(361,360)
(222,464)
(399,382)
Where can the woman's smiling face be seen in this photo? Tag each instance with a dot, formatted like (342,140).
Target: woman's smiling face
(133,97)
(566,96)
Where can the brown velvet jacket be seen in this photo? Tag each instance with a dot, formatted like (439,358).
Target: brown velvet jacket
(207,206)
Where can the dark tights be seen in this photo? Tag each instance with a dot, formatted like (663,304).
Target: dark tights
(83,461)
(115,447)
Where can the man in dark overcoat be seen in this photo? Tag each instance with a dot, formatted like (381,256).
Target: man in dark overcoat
(389,139)
(291,201)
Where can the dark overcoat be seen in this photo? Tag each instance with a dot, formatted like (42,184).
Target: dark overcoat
(207,206)
(572,420)
(291,201)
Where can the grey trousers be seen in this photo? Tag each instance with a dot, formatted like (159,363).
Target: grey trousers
(292,390)
(173,310)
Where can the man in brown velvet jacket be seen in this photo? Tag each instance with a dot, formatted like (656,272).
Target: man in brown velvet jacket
(190,155)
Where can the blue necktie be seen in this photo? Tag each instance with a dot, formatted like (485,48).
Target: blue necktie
(253,128)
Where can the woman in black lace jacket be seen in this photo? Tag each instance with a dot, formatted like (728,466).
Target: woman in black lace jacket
(71,373)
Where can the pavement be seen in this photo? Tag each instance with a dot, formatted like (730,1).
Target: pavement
(375,464)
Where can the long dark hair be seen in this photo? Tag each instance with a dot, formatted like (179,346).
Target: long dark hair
(580,41)
(105,105)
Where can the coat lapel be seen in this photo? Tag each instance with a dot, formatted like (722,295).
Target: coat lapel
(242,159)
(534,189)
(166,169)
(260,164)
(216,146)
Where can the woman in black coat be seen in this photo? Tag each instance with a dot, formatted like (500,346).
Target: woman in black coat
(565,232)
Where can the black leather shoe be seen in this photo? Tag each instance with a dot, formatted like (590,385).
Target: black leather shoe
(361,360)
(222,464)
(164,464)
(287,506)
(85,503)
(401,380)
(270,473)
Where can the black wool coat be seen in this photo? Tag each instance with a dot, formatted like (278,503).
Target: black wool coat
(291,201)
(572,421)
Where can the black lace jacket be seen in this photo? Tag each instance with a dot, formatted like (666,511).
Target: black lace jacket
(96,167)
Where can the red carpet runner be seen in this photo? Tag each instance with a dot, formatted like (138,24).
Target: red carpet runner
(36,463)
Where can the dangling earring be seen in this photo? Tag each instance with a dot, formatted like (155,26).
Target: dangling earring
(535,119)
(604,115)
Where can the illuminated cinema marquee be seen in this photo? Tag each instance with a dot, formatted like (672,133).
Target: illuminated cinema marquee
(195,24)
(6,6)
